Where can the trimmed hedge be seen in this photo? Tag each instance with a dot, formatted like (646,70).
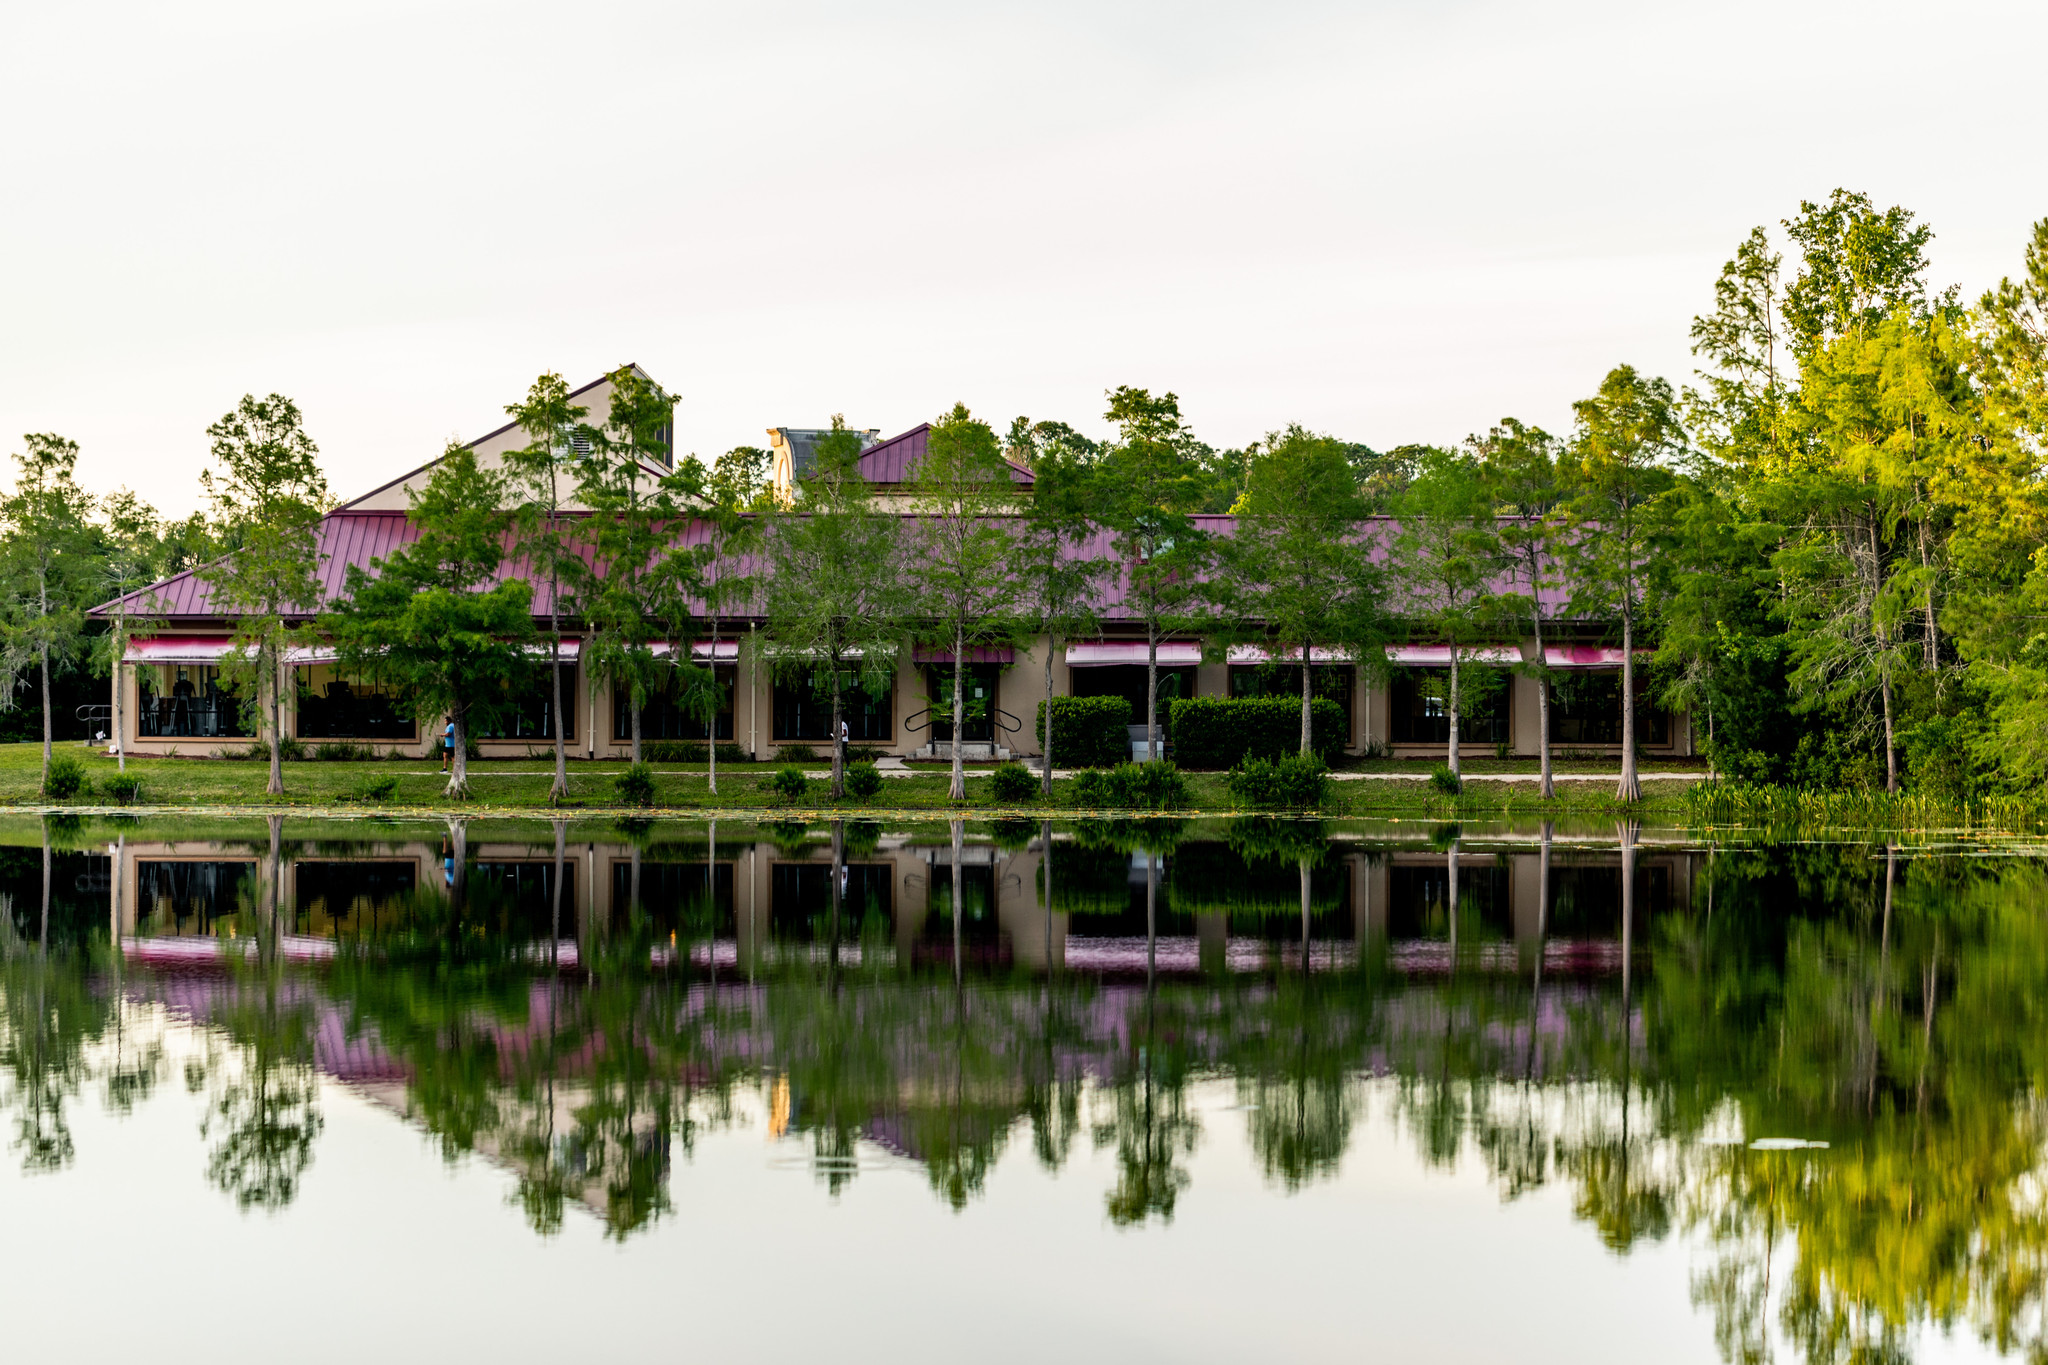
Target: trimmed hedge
(1088,732)
(1217,732)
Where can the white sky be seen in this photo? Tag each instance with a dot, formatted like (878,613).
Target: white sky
(1389,221)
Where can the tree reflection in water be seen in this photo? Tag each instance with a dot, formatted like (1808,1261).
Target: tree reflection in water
(1894,1007)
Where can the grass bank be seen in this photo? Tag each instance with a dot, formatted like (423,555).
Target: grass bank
(416,787)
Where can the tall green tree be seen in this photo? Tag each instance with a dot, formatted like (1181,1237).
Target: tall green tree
(133,554)
(713,563)
(1450,548)
(268,497)
(544,473)
(1151,483)
(835,596)
(435,620)
(1300,565)
(620,591)
(1616,468)
(961,550)
(1518,464)
(1060,583)
(49,560)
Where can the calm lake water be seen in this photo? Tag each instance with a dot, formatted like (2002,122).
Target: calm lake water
(1183,1090)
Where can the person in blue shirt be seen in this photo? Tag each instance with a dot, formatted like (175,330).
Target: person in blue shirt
(447,746)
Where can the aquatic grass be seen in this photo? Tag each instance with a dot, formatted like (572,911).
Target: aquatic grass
(1770,806)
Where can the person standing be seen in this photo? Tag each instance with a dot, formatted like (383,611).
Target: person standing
(448,745)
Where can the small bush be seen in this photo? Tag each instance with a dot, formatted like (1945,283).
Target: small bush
(1215,732)
(289,750)
(66,779)
(1013,782)
(1295,782)
(1088,732)
(1444,780)
(1374,748)
(863,780)
(1132,786)
(123,789)
(691,751)
(341,751)
(635,786)
(789,783)
(797,753)
(372,789)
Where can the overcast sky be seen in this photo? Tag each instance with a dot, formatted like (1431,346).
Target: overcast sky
(1389,221)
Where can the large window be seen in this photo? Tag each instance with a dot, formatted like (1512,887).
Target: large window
(1585,708)
(803,710)
(334,706)
(181,700)
(661,718)
(1422,713)
(528,711)
(1284,680)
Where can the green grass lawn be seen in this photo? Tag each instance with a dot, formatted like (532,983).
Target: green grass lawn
(522,785)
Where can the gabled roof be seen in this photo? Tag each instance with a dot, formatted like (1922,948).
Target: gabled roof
(895,460)
(354,503)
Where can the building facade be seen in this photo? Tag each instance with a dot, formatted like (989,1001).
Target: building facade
(173,702)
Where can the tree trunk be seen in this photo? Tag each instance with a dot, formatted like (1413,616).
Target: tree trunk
(1891,748)
(1544,783)
(458,758)
(1932,654)
(838,871)
(1045,876)
(1307,736)
(1454,711)
(1045,753)
(43,653)
(272,666)
(958,790)
(711,727)
(838,751)
(636,720)
(559,792)
(1629,788)
(1151,692)
(114,708)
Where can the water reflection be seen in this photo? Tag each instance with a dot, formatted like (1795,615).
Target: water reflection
(1618,1018)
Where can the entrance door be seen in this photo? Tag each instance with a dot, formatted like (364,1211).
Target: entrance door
(979,726)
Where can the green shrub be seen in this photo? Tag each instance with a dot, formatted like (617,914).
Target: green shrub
(1132,786)
(789,783)
(1294,782)
(864,753)
(1215,732)
(1013,782)
(289,750)
(341,751)
(123,788)
(372,789)
(1444,780)
(66,779)
(635,786)
(797,753)
(863,779)
(1088,732)
(691,751)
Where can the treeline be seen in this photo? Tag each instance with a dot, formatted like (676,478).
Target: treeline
(1826,549)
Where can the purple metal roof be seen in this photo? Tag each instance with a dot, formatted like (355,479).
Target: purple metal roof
(894,461)
(361,538)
